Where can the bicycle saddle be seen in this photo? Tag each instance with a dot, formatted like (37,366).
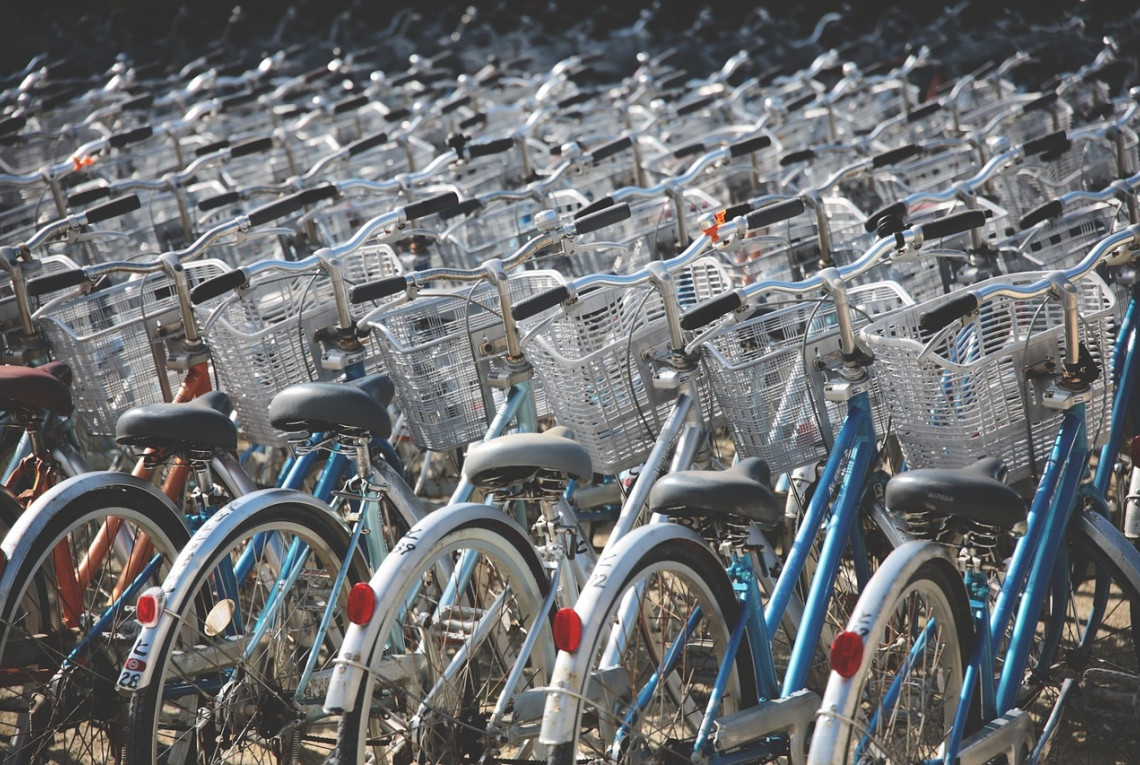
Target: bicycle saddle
(44,387)
(518,457)
(203,424)
(975,492)
(741,491)
(359,406)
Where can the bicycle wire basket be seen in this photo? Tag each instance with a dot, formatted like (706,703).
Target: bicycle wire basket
(263,338)
(974,389)
(594,360)
(116,341)
(762,371)
(442,349)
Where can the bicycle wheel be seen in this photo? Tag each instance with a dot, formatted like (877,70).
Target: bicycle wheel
(1100,655)
(900,704)
(454,614)
(61,648)
(226,681)
(676,604)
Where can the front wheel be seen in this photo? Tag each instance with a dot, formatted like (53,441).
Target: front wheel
(916,630)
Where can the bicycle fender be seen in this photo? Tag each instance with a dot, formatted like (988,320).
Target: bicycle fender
(139,666)
(606,582)
(363,643)
(40,517)
(885,586)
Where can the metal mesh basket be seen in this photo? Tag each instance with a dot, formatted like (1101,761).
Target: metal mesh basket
(771,395)
(593,359)
(928,173)
(1064,242)
(115,340)
(971,391)
(789,250)
(440,351)
(500,229)
(263,338)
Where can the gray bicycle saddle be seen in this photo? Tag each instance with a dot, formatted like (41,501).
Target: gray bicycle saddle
(518,457)
(741,491)
(975,492)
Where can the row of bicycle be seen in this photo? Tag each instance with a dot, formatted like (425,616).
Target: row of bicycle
(444,638)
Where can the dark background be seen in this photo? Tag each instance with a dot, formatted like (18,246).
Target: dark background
(86,40)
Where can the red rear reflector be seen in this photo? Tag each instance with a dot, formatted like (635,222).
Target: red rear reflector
(149,607)
(361,603)
(567,629)
(847,653)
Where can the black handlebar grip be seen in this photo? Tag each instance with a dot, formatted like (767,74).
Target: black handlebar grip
(695,106)
(894,156)
(610,149)
(953,224)
(218,286)
(1053,142)
(465,207)
(137,103)
(580,97)
(221,200)
(593,207)
(364,144)
(708,311)
(61,280)
(955,308)
(736,210)
(114,208)
(320,73)
(87,196)
(674,80)
(473,120)
(289,204)
(602,218)
(536,304)
(350,104)
(398,115)
(1046,211)
(1039,104)
(581,74)
(210,148)
(451,106)
(800,102)
(774,213)
(898,209)
(12,124)
(688,151)
(430,206)
(239,99)
(487,148)
(797,156)
(749,145)
(119,140)
(382,288)
(252,146)
(924,111)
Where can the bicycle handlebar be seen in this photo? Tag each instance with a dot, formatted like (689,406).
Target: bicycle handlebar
(291,204)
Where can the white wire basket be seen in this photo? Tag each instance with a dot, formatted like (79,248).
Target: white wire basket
(263,339)
(928,173)
(974,389)
(116,342)
(440,351)
(593,358)
(763,374)
(1064,242)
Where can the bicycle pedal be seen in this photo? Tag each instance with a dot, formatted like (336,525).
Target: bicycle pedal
(1111,694)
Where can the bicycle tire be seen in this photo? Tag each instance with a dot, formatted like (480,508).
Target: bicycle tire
(236,706)
(914,589)
(439,716)
(53,712)
(687,574)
